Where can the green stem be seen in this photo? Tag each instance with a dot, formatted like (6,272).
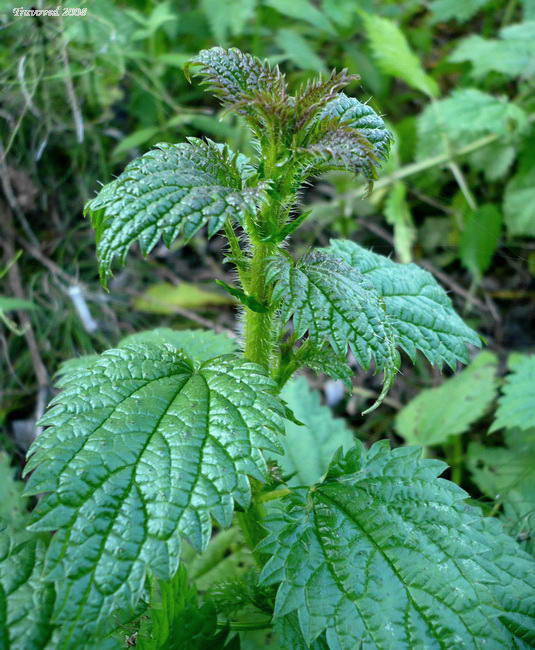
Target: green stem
(456,459)
(259,338)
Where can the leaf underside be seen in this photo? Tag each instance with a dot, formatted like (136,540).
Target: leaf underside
(419,311)
(142,446)
(364,120)
(172,190)
(334,304)
(410,566)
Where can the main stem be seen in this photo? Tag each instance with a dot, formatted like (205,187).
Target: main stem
(258,326)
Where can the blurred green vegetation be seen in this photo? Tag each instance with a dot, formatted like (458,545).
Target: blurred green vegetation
(81,96)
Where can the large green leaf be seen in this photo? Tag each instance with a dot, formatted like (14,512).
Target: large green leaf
(419,310)
(507,475)
(143,445)
(334,303)
(172,190)
(513,54)
(26,601)
(516,406)
(383,554)
(394,55)
(308,448)
(436,414)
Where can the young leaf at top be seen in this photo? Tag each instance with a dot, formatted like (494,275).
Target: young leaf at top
(436,414)
(240,80)
(383,554)
(172,190)
(516,406)
(143,445)
(334,304)
(344,124)
(419,311)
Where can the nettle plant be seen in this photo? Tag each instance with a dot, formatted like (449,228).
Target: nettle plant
(147,444)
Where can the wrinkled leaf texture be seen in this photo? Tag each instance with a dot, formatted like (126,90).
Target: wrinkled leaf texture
(383,554)
(143,445)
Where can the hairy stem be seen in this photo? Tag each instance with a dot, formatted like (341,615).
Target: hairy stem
(259,338)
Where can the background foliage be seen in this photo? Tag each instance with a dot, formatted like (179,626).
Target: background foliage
(454,80)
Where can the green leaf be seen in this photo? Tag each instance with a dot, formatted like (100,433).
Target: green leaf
(26,601)
(494,160)
(394,55)
(333,303)
(519,203)
(516,406)
(505,474)
(141,447)
(323,360)
(361,117)
(343,148)
(164,297)
(410,564)
(200,345)
(513,54)
(11,304)
(480,238)
(228,18)
(235,77)
(176,619)
(460,10)
(134,140)
(172,190)
(436,414)
(308,448)
(225,558)
(419,311)
(303,10)
(13,506)
(298,50)
(249,301)
(464,116)
(398,215)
